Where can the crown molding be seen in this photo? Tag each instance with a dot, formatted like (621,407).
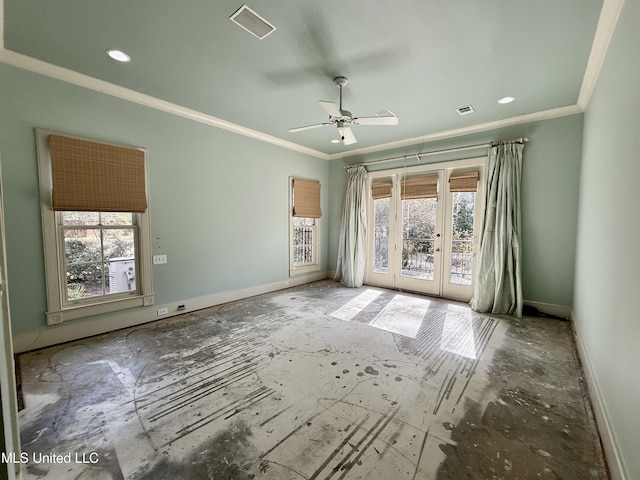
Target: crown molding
(482,127)
(79,79)
(607,22)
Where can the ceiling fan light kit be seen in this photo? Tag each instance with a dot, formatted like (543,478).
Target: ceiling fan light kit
(343,119)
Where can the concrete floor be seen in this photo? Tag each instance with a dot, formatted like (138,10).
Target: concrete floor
(314,382)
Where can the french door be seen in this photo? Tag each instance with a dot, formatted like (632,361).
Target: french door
(424,226)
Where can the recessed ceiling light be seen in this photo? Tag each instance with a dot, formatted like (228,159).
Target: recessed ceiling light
(119,55)
(506,100)
(335,140)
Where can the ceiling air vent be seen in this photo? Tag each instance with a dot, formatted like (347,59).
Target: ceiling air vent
(465,110)
(252,22)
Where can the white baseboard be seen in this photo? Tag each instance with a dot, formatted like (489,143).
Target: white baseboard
(75,330)
(609,444)
(550,309)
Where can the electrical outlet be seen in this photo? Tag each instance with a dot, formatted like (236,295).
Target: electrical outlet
(163,311)
(158,259)
(286,283)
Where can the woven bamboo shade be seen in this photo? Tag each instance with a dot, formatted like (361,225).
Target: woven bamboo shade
(464,182)
(94,177)
(381,189)
(419,187)
(306,198)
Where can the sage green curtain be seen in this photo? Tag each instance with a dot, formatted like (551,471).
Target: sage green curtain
(353,231)
(498,280)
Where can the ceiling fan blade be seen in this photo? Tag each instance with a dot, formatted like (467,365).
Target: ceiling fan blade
(347,136)
(376,121)
(331,108)
(386,117)
(309,127)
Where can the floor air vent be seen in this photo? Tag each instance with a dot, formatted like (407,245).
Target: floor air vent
(252,22)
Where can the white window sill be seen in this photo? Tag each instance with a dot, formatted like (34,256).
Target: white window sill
(80,311)
(302,270)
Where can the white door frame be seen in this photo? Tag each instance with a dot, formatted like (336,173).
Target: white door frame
(7,367)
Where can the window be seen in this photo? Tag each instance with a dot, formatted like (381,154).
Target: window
(95,226)
(304,226)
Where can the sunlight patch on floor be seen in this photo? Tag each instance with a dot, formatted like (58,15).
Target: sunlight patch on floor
(356,305)
(457,333)
(402,315)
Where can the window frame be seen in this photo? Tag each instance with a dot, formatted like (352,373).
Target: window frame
(301,269)
(59,309)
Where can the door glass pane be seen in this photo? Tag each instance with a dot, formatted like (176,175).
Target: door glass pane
(418,237)
(381,235)
(463,214)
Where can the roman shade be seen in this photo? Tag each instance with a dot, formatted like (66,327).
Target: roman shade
(306,198)
(419,187)
(381,189)
(96,177)
(463,182)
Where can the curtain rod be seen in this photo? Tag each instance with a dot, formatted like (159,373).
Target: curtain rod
(447,150)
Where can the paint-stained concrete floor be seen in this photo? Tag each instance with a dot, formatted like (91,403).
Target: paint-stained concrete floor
(314,382)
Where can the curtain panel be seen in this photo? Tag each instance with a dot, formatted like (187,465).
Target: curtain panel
(352,245)
(498,281)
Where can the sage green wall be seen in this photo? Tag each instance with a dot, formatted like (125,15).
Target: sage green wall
(218,201)
(608,258)
(550,185)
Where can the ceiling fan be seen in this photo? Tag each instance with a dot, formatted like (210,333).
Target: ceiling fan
(343,119)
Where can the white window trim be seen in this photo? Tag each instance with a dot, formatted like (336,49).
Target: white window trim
(295,270)
(57,311)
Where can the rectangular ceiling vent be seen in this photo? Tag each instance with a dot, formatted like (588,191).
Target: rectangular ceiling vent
(465,110)
(252,22)
(385,113)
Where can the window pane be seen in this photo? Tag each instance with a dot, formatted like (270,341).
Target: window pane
(381,235)
(82,246)
(418,229)
(116,218)
(119,255)
(80,218)
(83,263)
(303,243)
(462,237)
(303,221)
